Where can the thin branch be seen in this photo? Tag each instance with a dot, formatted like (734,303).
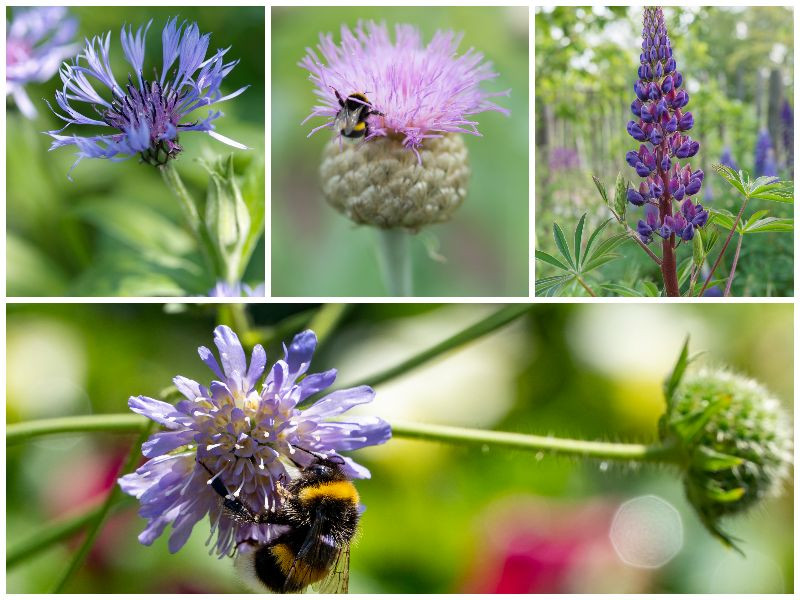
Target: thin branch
(733,266)
(635,237)
(725,245)
(585,286)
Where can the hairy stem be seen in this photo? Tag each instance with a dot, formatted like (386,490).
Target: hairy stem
(725,245)
(192,217)
(18,433)
(733,266)
(657,453)
(394,255)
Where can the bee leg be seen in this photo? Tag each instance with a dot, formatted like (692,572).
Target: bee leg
(338,96)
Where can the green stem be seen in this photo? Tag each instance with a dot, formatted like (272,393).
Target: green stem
(192,217)
(326,320)
(394,255)
(18,433)
(725,245)
(657,453)
(114,495)
(494,321)
(585,286)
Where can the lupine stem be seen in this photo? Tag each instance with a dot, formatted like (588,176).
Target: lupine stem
(660,453)
(585,286)
(113,496)
(192,217)
(394,255)
(733,265)
(725,245)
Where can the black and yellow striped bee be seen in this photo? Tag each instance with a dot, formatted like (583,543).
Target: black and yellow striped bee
(351,120)
(320,511)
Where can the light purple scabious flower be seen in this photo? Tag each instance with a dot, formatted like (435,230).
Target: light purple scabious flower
(421,91)
(244,436)
(38,39)
(236,290)
(146,115)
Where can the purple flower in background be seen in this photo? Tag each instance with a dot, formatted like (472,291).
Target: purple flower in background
(37,40)
(765,155)
(661,124)
(727,159)
(245,437)
(419,91)
(146,115)
(787,127)
(563,159)
(236,290)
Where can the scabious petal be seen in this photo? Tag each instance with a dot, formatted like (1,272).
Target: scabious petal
(231,434)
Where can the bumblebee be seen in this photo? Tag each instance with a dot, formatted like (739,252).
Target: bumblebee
(351,120)
(319,510)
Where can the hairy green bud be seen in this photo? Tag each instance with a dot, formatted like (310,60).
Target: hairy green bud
(735,438)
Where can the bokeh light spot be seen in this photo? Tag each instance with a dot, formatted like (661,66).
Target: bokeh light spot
(646,532)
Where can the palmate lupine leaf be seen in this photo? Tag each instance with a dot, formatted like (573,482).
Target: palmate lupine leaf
(561,244)
(762,188)
(757,223)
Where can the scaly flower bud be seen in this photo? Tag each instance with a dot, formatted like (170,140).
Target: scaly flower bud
(736,440)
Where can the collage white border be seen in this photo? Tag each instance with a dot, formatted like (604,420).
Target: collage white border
(470,300)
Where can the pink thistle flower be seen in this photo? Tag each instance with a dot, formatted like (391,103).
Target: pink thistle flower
(420,91)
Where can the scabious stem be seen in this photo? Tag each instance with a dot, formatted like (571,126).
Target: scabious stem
(192,217)
(659,453)
(394,254)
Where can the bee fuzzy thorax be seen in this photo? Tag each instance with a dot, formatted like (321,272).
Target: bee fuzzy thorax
(335,490)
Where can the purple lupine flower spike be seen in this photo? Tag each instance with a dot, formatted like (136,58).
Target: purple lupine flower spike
(146,115)
(661,126)
(765,155)
(38,39)
(245,436)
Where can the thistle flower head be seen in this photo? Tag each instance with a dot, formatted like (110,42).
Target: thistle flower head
(421,91)
(765,155)
(37,40)
(243,436)
(736,439)
(145,115)
(661,124)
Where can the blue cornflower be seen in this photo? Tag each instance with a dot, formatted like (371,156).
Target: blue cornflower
(38,39)
(245,437)
(146,114)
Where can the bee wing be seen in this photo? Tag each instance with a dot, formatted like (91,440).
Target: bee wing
(348,119)
(337,580)
(304,570)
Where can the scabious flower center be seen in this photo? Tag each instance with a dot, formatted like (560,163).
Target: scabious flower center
(152,110)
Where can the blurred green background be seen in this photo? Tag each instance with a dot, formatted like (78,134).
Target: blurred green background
(319,252)
(116,229)
(738,68)
(439,518)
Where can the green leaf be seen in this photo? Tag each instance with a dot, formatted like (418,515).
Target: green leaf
(755,217)
(548,285)
(599,261)
(602,189)
(684,270)
(674,379)
(561,244)
(770,224)
(620,197)
(710,237)
(698,249)
(621,290)
(707,459)
(579,239)
(733,178)
(607,245)
(593,237)
(651,289)
(722,218)
(551,260)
